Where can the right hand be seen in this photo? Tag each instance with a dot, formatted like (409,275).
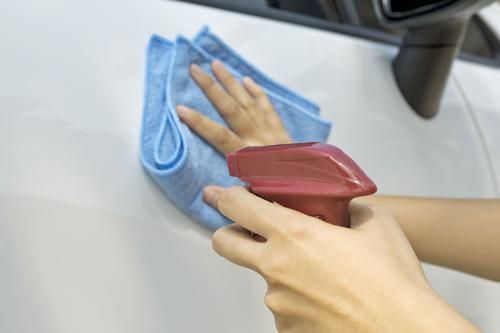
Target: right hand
(244,106)
(326,278)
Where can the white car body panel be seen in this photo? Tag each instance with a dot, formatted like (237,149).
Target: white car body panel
(482,87)
(88,243)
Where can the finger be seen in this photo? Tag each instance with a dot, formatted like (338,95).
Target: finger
(235,244)
(232,86)
(263,101)
(223,139)
(228,108)
(250,211)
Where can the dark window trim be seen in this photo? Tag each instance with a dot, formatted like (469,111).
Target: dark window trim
(350,30)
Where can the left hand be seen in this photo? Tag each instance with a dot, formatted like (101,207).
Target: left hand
(244,106)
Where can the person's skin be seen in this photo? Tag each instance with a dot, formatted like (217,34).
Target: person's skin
(463,234)
(326,278)
(321,278)
(244,106)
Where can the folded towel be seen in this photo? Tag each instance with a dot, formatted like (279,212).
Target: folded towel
(177,159)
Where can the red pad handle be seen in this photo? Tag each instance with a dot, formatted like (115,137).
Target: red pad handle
(314,178)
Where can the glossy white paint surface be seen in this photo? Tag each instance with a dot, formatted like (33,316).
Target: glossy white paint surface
(89,244)
(482,85)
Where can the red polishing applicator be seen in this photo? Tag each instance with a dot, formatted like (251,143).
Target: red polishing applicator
(316,179)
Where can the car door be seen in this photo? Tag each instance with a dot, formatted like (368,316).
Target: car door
(88,243)
(485,101)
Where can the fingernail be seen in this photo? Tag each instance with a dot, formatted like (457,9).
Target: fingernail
(195,69)
(248,80)
(217,64)
(211,194)
(182,111)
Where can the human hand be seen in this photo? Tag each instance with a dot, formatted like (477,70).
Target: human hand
(244,106)
(325,278)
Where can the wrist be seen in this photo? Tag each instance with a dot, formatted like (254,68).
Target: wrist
(422,310)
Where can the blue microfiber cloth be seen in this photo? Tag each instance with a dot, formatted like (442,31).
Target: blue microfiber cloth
(177,159)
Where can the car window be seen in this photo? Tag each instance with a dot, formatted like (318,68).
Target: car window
(357,18)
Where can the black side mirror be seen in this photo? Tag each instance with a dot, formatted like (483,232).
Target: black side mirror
(435,31)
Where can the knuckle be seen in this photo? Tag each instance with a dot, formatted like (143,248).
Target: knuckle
(273,269)
(210,84)
(233,193)
(275,303)
(229,107)
(295,228)
(272,302)
(249,104)
(269,301)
